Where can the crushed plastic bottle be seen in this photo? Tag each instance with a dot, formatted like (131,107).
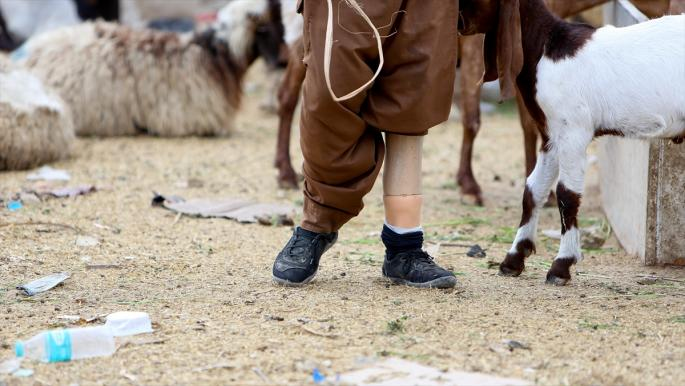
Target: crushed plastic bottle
(67,345)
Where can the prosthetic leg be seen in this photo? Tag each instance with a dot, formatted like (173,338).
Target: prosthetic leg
(405,262)
(402,196)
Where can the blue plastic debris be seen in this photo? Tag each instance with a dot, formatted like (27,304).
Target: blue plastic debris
(317,376)
(14,206)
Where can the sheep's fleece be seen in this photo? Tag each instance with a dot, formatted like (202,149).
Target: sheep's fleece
(120,81)
(35,125)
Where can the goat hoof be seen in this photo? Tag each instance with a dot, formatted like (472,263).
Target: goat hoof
(560,272)
(472,199)
(514,263)
(556,281)
(287,178)
(470,190)
(509,268)
(288,183)
(505,270)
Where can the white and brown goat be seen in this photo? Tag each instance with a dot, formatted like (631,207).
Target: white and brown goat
(472,66)
(578,83)
(121,81)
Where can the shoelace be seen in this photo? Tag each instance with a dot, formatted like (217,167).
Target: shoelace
(300,242)
(423,256)
(418,258)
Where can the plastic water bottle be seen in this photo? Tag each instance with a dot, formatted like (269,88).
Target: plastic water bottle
(69,344)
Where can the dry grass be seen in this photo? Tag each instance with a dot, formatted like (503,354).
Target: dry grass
(206,282)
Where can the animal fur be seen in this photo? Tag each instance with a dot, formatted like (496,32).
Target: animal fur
(578,83)
(35,125)
(121,81)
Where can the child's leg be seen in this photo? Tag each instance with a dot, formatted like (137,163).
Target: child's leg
(402,181)
(405,261)
(343,154)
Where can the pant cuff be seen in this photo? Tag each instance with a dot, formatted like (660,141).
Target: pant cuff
(322,219)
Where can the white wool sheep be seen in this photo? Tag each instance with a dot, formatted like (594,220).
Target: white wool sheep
(35,125)
(121,81)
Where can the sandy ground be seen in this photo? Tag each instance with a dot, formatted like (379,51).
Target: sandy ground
(207,282)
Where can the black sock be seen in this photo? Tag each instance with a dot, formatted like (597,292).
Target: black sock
(396,243)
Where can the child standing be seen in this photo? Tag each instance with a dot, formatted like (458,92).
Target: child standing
(341,141)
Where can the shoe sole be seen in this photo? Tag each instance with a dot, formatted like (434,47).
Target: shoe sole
(441,282)
(287,283)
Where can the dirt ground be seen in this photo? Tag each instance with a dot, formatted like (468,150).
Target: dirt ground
(220,320)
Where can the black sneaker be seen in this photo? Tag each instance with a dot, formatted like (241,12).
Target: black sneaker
(298,262)
(416,268)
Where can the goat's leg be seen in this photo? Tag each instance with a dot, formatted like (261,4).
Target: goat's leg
(530,134)
(530,141)
(472,67)
(572,162)
(465,178)
(538,186)
(288,96)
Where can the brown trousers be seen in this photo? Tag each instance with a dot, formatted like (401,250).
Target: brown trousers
(341,143)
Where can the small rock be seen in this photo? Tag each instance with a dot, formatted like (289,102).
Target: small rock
(29,198)
(86,241)
(514,344)
(476,251)
(648,280)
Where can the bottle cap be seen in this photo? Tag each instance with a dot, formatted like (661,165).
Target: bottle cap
(129,323)
(19,349)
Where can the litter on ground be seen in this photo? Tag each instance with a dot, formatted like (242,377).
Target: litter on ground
(240,210)
(46,173)
(86,241)
(396,372)
(68,191)
(44,283)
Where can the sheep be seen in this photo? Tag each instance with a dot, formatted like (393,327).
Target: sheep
(121,81)
(578,83)
(35,125)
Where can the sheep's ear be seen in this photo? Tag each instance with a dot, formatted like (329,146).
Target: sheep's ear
(503,50)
